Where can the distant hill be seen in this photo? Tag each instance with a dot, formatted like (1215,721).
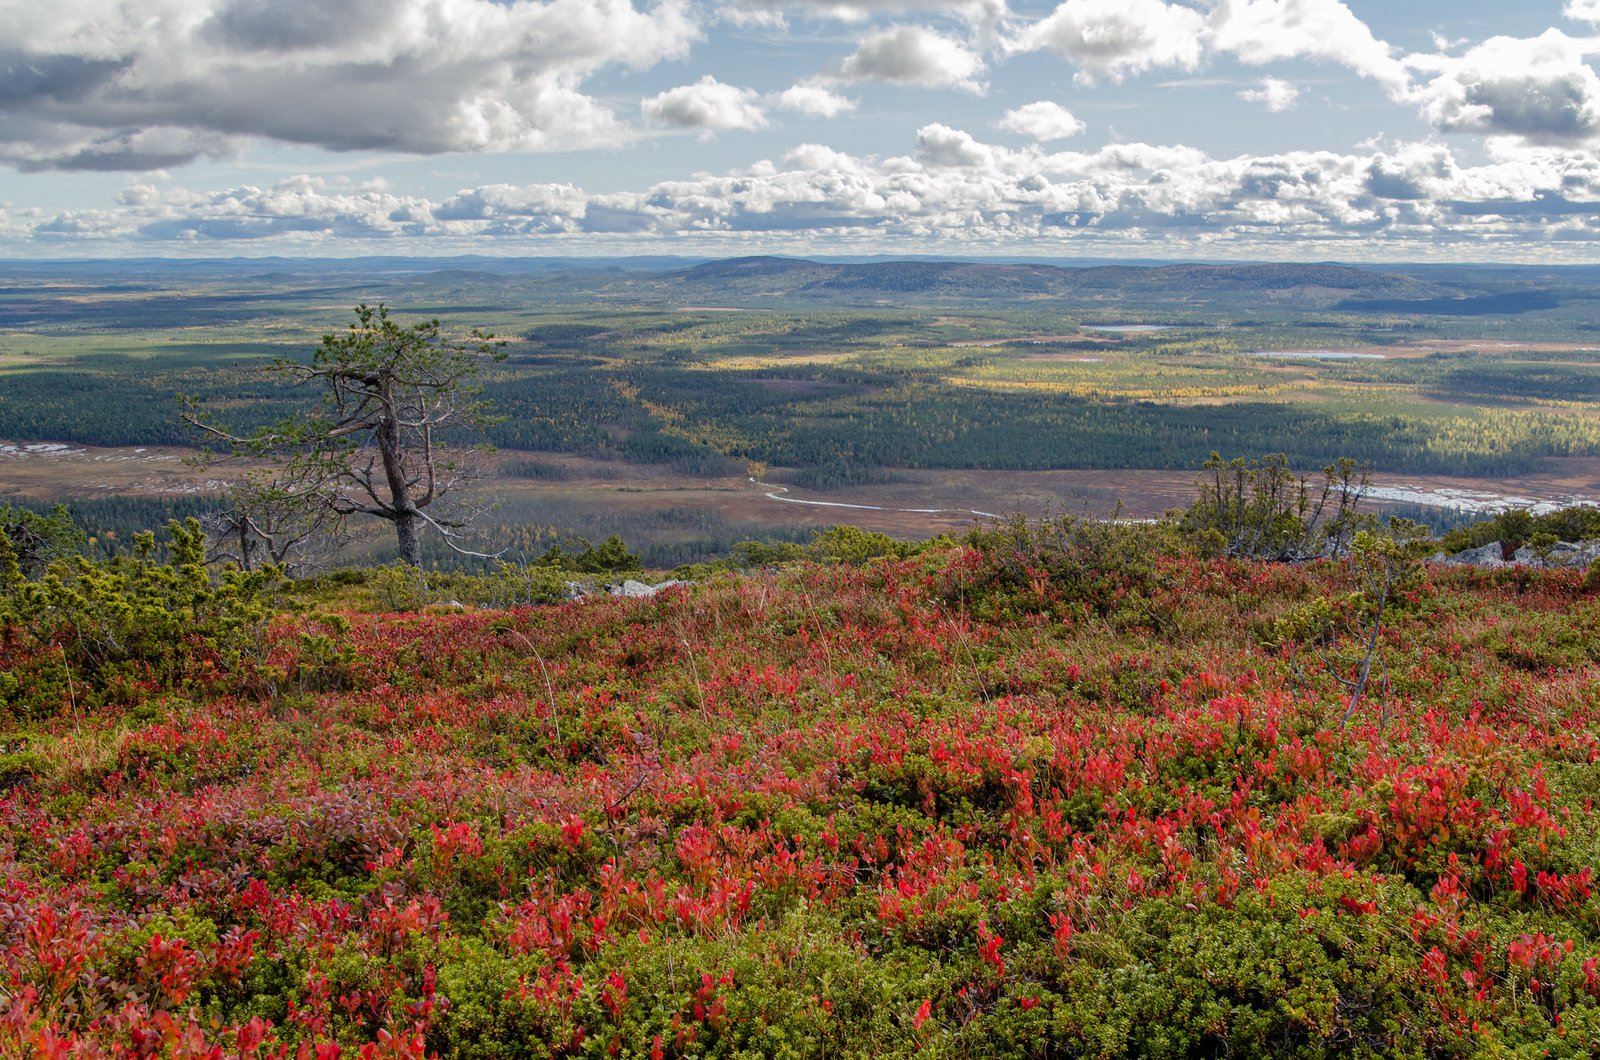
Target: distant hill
(779,277)
(1507,303)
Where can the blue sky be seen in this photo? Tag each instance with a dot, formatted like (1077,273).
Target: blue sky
(1279,129)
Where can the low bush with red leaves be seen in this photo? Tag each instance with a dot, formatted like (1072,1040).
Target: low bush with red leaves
(966,803)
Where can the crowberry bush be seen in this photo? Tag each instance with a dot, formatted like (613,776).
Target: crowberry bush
(974,801)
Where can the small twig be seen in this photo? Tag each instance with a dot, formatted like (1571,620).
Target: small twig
(622,800)
(972,661)
(549,686)
(72,696)
(694,671)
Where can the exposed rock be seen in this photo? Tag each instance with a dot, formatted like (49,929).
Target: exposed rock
(1560,554)
(637,588)
(630,588)
(1490,555)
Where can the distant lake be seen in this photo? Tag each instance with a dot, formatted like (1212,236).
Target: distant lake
(1321,355)
(1129,327)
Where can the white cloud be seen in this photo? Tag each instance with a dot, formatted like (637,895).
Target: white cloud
(142,83)
(941,146)
(914,55)
(975,12)
(31,145)
(1413,173)
(1110,39)
(708,105)
(813,101)
(1540,89)
(1582,10)
(1275,94)
(1042,121)
(511,208)
(952,187)
(1268,31)
(770,19)
(297,209)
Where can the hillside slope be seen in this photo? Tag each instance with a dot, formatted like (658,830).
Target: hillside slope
(774,277)
(950,805)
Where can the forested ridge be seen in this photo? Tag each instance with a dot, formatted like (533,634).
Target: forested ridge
(937,365)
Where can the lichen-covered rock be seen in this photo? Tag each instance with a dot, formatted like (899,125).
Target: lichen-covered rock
(1560,554)
(638,588)
(1490,555)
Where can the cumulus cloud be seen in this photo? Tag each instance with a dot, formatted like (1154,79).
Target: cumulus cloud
(975,12)
(951,186)
(1267,31)
(1110,39)
(1582,10)
(135,83)
(914,55)
(940,146)
(1540,89)
(1412,173)
(708,105)
(1042,121)
(506,208)
(769,19)
(814,101)
(299,209)
(1274,94)
(31,145)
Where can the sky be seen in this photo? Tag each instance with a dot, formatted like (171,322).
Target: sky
(1368,130)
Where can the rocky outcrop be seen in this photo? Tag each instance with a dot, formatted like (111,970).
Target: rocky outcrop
(1560,554)
(630,588)
(637,588)
(1490,555)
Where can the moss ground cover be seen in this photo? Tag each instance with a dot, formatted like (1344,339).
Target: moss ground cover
(944,804)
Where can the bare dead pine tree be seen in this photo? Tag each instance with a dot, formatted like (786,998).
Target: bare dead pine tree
(378,442)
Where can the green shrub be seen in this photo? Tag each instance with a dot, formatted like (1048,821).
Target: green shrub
(1064,566)
(1514,529)
(93,630)
(403,588)
(851,544)
(1262,511)
(611,556)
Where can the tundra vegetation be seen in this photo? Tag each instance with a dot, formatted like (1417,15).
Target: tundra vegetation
(1057,788)
(1252,782)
